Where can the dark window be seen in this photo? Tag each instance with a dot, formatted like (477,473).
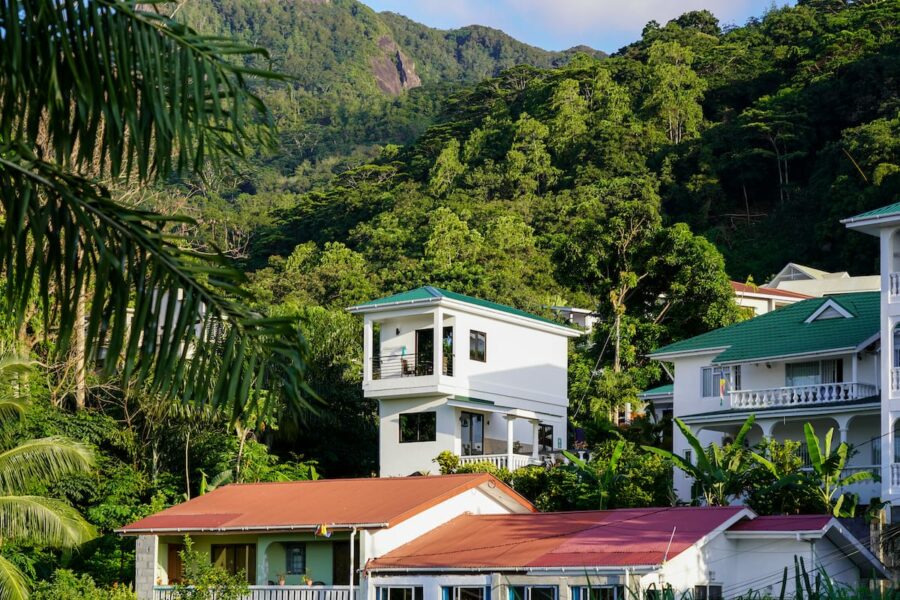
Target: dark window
(236,558)
(545,438)
(418,427)
(598,593)
(400,593)
(708,592)
(464,593)
(532,592)
(295,559)
(478,345)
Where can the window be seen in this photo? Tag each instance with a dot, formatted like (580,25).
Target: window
(532,592)
(708,592)
(236,558)
(295,559)
(584,592)
(689,456)
(545,437)
(713,378)
(465,593)
(400,593)
(814,372)
(478,345)
(418,427)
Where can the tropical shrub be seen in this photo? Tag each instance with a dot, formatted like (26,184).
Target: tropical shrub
(66,585)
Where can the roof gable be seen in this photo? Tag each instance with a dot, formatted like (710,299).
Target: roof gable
(298,505)
(786,332)
(829,310)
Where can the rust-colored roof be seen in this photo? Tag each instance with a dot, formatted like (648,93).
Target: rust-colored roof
(307,504)
(623,537)
(782,523)
(769,291)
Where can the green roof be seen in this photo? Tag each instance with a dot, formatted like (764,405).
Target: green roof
(659,391)
(785,332)
(884,211)
(427,292)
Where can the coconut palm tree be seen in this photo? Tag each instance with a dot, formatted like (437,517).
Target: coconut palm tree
(29,518)
(113,92)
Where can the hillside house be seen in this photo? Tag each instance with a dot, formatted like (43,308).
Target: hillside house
(484,381)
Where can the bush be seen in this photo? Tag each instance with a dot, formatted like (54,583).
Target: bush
(66,585)
(205,581)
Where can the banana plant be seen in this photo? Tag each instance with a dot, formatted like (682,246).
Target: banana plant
(606,480)
(720,473)
(826,478)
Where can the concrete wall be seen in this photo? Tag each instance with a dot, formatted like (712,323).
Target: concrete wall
(398,459)
(146,569)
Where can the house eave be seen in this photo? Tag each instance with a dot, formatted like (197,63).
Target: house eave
(249,529)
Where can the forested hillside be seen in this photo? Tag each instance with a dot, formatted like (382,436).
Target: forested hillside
(635,185)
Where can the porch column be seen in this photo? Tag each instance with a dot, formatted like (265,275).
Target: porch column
(145,566)
(535,441)
(510,430)
(843,425)
(438,367)
(767,427)
(368,358)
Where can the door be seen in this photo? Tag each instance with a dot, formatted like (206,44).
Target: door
(174,566)
(472,433)
(424,351)
(340,564)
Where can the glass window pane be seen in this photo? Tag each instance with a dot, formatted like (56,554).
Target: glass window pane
(477,345)
(470,593)
(543,593)
(516,592)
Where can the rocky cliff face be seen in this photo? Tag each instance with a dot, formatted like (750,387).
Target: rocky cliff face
(394,72)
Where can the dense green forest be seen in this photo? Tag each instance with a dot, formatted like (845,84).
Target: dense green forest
(635,185)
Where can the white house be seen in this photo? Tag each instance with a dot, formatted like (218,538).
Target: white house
(713,553)
(455,373)
(763,299)
(815,282)
(833,361)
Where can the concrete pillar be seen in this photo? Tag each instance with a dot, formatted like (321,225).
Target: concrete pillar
(767,426)
(146,548)
(536,425)
(510,432)
(843,422)
(438,342)
(368,356)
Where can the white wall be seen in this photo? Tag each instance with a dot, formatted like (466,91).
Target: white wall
(399,460)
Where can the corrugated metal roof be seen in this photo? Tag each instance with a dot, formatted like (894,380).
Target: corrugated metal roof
(782,523)
(428,292)
(572,539)
(658,391)
(784,332)
(884,211)
(301,504)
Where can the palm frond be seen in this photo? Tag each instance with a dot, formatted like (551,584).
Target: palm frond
(42,460)
(42,521)
(12,582)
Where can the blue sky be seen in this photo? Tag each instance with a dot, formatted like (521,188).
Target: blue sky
(560,24)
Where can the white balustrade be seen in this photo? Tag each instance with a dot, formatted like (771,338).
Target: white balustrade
(895,379)
(894,283)
(281,592)
(895,474)
(819,393)
(501,461)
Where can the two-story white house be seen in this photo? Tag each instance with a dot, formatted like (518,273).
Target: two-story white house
(832,361)
(450,372)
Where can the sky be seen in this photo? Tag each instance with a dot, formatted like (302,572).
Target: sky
(560,24)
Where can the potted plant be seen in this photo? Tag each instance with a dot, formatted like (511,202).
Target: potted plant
(307,579)
(281,578)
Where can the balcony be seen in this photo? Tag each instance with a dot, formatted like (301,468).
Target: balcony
(895,474)
(395,365)
(279,592)
(895,379)
(801,395)
(510,462)
(893,286)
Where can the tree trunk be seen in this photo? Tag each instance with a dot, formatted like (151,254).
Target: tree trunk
(187,468)
(79,353)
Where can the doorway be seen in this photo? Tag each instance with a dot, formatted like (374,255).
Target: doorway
(472,433)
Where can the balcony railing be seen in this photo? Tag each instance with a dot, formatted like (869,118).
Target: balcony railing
(895,474)
(279,592)
(894,284)
(510,462)
(410,365)
(895,379)
(801,395)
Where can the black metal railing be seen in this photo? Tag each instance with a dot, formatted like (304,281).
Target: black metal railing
(410,365)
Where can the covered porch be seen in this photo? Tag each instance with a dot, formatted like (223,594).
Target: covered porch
(279,592)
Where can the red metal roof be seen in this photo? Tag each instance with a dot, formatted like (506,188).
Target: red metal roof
(299,504)
(784,523)
(626,537)
(752,289)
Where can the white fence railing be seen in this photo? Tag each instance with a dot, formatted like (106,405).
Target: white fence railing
(800,395)
(895,379)
(894,279)
(501,461)
(895,474)
(279,592)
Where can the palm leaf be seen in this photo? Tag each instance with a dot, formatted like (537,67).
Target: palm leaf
(43,460)
(702,461)
(42,521)
(12,582)
(812,447)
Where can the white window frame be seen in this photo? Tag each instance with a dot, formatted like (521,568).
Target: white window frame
(528,588)
(584,591)
(731,374)
(383,592)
